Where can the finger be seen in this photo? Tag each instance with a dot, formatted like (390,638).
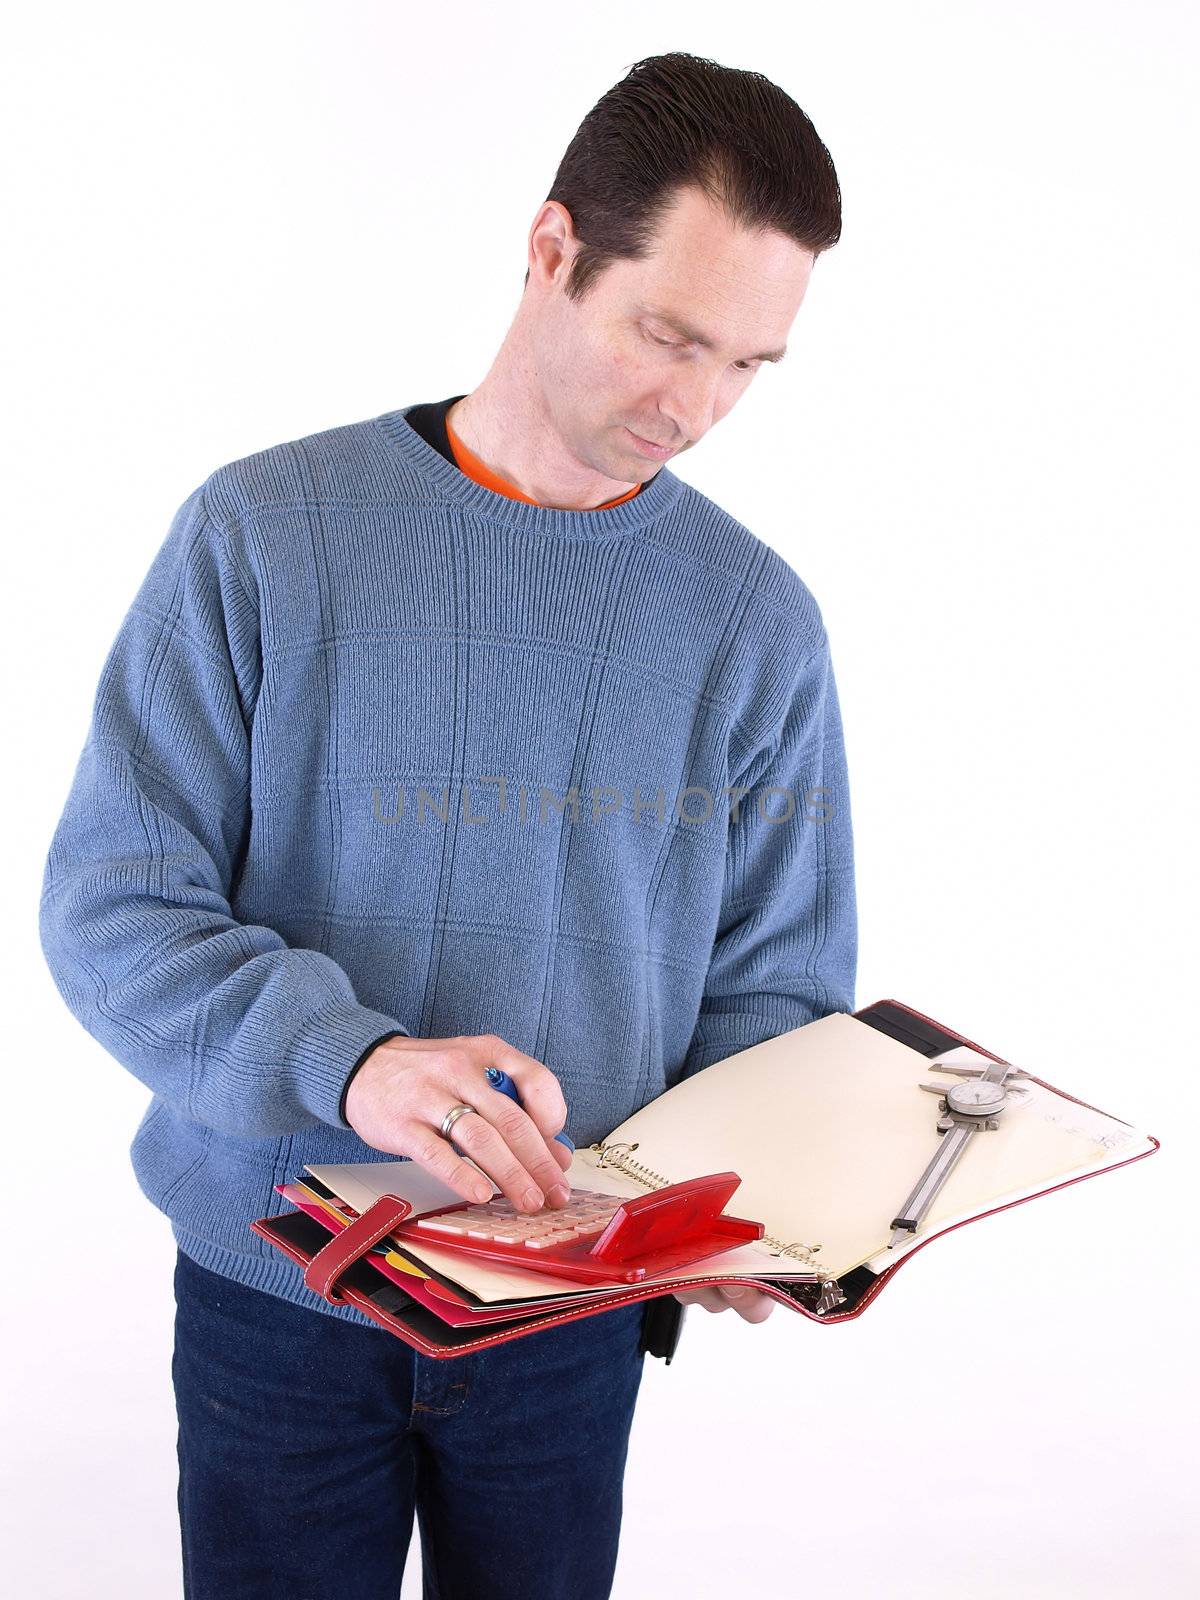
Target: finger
(499,1137)
(757,1309)
(515,1137)
(478,1139)
(540,1091)
(711,1299)
(750,1304)
(429,1150)
(533,1149)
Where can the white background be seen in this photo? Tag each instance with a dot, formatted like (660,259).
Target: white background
(233,225)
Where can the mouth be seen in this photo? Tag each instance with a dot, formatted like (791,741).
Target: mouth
(650,447)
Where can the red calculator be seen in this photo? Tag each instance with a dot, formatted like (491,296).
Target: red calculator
(596,1237)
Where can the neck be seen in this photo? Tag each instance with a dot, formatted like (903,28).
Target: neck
(506,423)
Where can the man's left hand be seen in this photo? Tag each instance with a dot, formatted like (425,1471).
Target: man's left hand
(752,1305)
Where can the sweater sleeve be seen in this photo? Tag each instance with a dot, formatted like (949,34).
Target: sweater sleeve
(230,1025)
(786,945)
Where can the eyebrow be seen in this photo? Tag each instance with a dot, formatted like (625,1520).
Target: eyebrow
(694,336)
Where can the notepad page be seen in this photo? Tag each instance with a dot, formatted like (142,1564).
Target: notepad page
(830,1131)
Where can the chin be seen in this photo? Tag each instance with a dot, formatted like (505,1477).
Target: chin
(621,468)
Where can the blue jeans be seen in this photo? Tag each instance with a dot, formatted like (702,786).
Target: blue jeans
(306,1444)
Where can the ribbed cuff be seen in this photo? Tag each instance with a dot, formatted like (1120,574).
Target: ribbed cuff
(396,1033)
(329,1049)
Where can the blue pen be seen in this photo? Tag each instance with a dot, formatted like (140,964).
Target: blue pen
(502,1081)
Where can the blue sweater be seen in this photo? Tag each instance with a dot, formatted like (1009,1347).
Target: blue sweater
(380,750)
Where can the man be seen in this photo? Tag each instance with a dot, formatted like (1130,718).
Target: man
(509,601)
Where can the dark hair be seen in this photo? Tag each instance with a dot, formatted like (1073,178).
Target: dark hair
(677,120)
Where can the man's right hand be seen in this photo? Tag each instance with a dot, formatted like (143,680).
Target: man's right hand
(398,1097)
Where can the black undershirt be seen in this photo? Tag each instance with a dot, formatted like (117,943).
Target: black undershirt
(429,420)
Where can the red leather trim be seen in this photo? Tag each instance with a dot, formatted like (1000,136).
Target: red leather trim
(885,1277)
(344,1248)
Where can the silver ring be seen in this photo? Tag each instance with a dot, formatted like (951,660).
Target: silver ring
(452,1117)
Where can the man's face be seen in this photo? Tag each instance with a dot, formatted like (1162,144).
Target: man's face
(631,357)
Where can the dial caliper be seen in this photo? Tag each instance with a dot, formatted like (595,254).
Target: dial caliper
(966,1109)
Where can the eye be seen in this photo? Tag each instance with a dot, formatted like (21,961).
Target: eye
(670,344)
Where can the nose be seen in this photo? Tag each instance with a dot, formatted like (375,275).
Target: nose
(689,403)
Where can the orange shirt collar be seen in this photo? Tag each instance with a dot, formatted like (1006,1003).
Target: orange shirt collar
(469,462)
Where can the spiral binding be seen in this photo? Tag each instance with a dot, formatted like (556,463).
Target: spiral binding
(633,1169)
(618,1156)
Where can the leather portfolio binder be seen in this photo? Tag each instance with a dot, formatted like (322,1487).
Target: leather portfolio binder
(827,1127)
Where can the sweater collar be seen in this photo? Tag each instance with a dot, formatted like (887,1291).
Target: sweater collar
(411,440)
